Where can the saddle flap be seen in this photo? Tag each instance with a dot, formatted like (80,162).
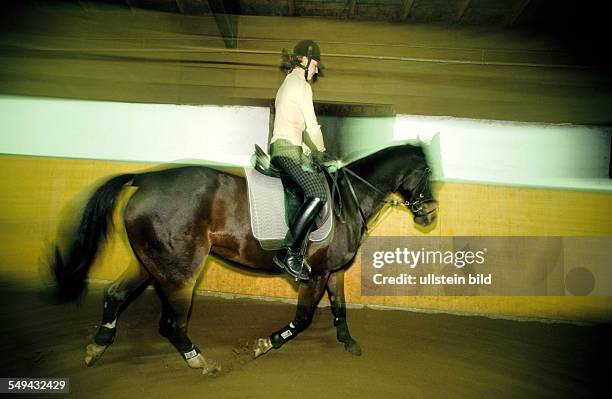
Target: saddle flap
(268,205)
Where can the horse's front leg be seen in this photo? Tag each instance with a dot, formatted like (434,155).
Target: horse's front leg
(335,290)
(308,298)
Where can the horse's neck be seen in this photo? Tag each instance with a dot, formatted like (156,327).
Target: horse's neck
(368,199)
(383,170)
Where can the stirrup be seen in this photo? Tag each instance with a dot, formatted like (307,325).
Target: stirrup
(303,274)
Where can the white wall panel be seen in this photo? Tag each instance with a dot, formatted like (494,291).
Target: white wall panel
(514,153)
(130,132)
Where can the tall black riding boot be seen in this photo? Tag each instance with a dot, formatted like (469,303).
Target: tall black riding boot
(290,258)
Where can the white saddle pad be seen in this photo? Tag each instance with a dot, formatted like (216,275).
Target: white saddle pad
(267,208)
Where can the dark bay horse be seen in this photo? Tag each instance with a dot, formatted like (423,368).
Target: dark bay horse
(178,216)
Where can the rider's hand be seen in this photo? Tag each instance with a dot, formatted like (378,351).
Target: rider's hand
(324,160)
(321,157)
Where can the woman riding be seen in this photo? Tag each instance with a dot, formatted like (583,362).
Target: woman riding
(289,151)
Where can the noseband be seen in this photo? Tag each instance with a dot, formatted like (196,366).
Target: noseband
(417,205)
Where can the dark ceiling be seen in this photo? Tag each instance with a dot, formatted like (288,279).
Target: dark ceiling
(476,59)
(508,13)
(581,25)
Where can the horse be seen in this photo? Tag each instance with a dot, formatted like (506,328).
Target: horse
(179,216)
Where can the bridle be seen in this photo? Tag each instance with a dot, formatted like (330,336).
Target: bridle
(416,206)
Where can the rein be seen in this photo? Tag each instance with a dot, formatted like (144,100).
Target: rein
(415,206)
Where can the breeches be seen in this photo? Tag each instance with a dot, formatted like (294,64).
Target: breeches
(293,162)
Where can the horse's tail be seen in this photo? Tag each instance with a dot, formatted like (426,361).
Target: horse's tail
(96,221)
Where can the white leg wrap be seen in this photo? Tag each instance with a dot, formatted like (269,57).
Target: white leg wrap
(110,325)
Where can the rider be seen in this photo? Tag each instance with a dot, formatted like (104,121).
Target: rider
(289,152)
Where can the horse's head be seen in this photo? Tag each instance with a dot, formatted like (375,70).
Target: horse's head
(416,190)
(400,169)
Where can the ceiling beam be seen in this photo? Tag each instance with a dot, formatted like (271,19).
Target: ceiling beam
(405,11)
(351,10)
(86,6)
(226,23)
(461,11)
(181,5)
(291,8)
(132,3)
(517,10)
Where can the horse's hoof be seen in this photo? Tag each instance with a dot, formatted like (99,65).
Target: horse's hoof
(94,352)
(262,346)
(353,347)
(208,366)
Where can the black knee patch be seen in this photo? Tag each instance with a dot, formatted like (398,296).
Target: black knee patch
(339,321)
(176,336)
(287,333)
(342,331)
(165,328)
(181,342)
(105,336)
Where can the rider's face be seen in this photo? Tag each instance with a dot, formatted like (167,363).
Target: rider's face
(313,69)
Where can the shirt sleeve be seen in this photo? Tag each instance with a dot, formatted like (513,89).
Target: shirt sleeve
(312,126)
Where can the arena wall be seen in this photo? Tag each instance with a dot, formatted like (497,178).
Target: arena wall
(43,195)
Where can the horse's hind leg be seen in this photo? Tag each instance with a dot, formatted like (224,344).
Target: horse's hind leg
(116,297)
(176,302)
(335,291)
(173,251)
(309,296)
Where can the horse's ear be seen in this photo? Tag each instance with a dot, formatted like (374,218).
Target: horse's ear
(433,154)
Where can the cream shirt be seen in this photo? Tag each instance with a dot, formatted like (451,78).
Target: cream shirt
(295,112)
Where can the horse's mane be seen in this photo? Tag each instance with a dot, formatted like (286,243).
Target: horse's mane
(370,156)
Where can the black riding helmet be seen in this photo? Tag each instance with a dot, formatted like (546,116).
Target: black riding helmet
(309,49)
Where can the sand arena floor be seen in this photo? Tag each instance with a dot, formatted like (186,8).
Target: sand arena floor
(405,354)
